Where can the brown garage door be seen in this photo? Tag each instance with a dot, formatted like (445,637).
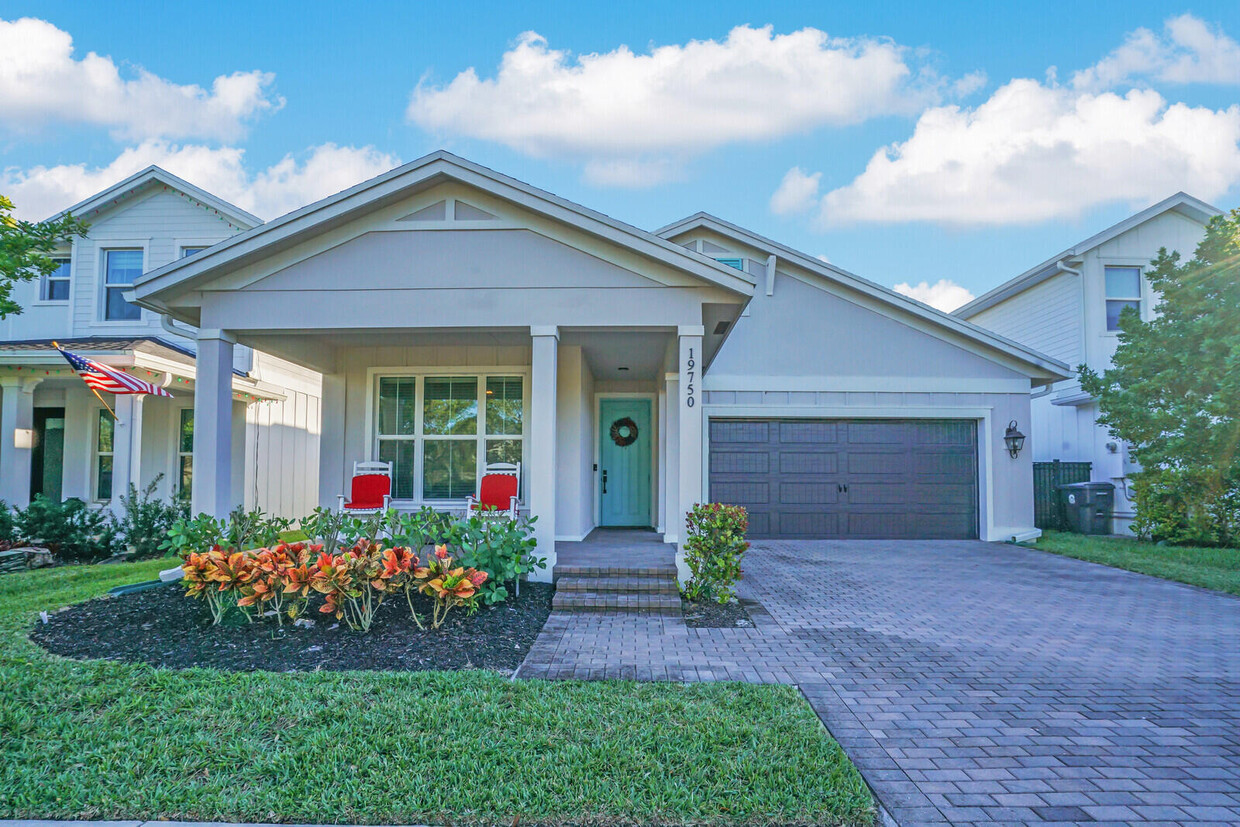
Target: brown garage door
(848,478)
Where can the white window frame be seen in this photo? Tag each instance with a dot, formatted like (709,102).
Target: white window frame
(101,294)
(46,279)
(420,375)
(185,249)
(96,454)
(726,261)
(177,453)
(1140,299)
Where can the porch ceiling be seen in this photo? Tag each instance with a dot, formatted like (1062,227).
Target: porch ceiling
(606,352)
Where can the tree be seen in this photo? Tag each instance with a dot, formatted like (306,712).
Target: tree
(25,250)
(1173,393)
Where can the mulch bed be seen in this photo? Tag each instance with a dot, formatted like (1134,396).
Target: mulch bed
(707,614)
(163,627)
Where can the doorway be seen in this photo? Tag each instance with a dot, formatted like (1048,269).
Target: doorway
(47,461)
(625,451)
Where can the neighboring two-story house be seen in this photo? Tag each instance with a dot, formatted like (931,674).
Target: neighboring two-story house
(57,438)
(1068,307)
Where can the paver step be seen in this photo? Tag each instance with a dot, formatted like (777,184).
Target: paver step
(577,571)
(620,585)
(662,604)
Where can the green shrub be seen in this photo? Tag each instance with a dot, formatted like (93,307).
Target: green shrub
(714,546)
(1182,507)
(8,527)
(242,530)
(499,546)
(70,530)
(146,519)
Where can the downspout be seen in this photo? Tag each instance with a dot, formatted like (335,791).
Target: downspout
(167,323)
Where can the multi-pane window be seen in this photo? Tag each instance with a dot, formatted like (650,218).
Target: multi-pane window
(121,269)
(1123,286)
(185,452)
(104,442)
(55,285)
(439,432)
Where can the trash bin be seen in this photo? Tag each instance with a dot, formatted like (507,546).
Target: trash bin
(1088,506)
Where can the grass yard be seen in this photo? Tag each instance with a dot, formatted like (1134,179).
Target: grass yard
(1210,568)
(99,739)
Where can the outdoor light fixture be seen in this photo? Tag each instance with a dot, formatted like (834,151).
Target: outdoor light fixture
(1014,438)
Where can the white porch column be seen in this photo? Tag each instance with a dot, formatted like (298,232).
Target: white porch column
(16,438)
(661,477)
(127,447)
(541,490)
(332,466)
(213,431)
(672,524)
(690,427)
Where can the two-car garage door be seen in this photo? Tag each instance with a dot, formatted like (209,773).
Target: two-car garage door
(848,478)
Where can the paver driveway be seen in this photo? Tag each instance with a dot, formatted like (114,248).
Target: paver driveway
(972,682)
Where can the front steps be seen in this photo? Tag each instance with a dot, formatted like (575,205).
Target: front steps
(638,589)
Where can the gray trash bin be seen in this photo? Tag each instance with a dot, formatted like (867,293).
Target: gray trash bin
(1088,506)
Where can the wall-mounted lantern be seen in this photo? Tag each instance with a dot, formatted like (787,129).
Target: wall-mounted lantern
(1014,439)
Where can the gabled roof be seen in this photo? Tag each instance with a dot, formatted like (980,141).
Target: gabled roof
(1181,202)
(1044,366)
(154,174)
(407,179)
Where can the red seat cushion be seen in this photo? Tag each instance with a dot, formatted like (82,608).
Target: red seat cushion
(369,490)
(497,491)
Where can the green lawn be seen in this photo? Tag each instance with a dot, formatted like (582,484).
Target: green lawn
(1211,568)
(108,740)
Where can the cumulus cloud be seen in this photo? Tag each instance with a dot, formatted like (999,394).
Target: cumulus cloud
(1188,51)
(1034,152)
(943,295)
(41,82)
(290,183)
(633,117)
(797,193)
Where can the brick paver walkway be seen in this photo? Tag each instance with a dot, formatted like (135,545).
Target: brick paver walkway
(970,682)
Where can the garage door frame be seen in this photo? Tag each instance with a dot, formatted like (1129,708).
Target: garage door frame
(982,416)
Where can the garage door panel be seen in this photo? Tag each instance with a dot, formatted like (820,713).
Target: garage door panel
(880,479)
(809,462)
(814,432)
(808,493)
(740,462)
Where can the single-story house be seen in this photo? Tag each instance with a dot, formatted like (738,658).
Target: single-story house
(460,317)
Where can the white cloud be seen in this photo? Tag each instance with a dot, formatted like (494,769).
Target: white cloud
(944,294)
(633,117)
(1034,152)
(797,193)
(1188,51)
(41,83)
(280,188)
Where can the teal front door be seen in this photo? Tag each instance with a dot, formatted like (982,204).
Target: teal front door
(624,471)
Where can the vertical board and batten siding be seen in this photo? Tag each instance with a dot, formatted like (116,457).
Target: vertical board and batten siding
(1046,317)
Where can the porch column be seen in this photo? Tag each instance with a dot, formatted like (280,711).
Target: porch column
(661,518)
(541,492)
(213,432)
(690,427)
(671,465)
(16,438)
(127,447)
(332,465)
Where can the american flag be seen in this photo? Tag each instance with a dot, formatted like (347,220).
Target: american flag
(102,378)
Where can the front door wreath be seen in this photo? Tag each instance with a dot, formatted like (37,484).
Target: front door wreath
(624,432)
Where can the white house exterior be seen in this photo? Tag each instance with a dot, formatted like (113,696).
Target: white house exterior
(59,440)
(459,316)
(1068,307)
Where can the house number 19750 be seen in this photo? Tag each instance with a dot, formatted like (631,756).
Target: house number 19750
(689,374)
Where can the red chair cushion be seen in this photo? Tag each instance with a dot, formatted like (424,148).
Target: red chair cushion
(497,491)
(369,490)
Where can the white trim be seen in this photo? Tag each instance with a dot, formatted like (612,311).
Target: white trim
(656,472)
(717,383)
(571,538)
(153,173)
(982,415)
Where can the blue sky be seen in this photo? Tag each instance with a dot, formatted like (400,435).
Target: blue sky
(1003,132)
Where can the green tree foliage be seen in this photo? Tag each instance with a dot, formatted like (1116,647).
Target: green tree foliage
(26,248)
(1173,394)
